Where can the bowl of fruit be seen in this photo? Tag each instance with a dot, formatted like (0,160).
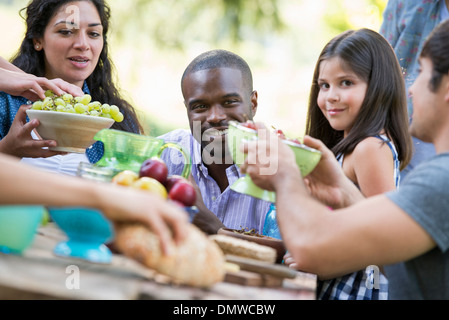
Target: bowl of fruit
(72,121)
(306,158)
(89,233)
(153,176)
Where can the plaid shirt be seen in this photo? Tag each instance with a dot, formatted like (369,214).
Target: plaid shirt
(360,285)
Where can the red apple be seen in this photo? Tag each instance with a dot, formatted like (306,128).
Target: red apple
(154,168)
(171,180)
(184,192)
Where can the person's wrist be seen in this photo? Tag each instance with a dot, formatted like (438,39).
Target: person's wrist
(287,178)
(350,194)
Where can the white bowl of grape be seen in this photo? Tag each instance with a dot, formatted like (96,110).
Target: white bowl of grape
(72,121)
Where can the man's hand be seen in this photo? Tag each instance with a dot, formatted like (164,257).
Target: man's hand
(327,182)
(269,160)
(205,219)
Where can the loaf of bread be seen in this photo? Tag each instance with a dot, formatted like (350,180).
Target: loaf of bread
(197,261)
(244,248)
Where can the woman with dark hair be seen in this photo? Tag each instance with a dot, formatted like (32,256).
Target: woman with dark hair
(68,40)
(27,185)
(358,108)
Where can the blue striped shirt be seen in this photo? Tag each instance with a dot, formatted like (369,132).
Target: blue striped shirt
(234,209)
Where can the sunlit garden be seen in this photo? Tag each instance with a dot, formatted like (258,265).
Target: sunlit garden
(153,41)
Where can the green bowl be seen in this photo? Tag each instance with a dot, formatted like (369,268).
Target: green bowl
(306,158)
(18,225)
(236,135)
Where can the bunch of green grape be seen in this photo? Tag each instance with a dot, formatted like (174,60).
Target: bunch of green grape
(79,105)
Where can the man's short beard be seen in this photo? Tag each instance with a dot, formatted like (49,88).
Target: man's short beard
(216,153)
(213,152)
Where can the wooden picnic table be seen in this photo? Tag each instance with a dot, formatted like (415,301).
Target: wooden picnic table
(39,274)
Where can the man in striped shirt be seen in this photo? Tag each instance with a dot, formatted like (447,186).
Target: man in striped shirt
(217,87)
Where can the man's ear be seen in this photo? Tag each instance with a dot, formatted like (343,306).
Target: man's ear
(254,102)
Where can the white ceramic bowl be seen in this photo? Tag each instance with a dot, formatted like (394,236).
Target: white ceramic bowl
(73,132)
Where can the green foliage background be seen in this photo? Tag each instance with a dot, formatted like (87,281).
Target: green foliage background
(152,42)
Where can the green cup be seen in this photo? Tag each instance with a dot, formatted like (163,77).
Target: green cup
(127,151)
(306,158)
(18,225)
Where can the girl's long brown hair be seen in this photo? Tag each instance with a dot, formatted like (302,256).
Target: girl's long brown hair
(371,58)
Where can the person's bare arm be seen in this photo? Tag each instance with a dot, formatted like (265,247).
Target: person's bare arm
(372,167)
(5,64)
(18,83)
(23,184)
(327,182)
(330,243)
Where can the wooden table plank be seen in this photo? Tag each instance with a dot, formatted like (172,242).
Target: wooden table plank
(39,274)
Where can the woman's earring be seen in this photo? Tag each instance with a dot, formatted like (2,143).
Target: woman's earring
(38,47)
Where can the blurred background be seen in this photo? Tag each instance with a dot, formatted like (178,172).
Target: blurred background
(152,42)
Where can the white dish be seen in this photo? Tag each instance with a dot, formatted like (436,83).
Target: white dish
(73,132)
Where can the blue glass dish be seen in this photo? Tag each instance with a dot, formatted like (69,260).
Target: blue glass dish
(87,230)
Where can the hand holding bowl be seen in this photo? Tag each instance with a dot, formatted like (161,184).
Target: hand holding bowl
(306,158)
